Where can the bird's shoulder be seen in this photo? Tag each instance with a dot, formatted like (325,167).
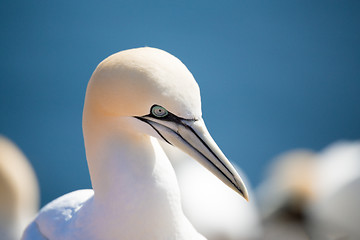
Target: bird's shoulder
(55,218)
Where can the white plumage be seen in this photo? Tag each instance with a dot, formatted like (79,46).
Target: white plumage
(134,98)
(215,210)
(19,191)
(316,196)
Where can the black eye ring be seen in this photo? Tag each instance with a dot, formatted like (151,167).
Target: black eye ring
(158,111)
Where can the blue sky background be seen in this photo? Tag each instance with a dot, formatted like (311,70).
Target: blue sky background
(274,75)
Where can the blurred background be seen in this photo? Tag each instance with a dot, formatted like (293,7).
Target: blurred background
(274,75)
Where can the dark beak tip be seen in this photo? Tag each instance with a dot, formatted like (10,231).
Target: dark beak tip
(245,195)
(247,198)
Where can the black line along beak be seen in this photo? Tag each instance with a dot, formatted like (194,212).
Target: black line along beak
(192,137)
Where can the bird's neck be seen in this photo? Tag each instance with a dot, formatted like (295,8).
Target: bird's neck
(134,184)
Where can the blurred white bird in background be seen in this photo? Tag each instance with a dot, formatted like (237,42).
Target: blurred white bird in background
(313,196)
(19,191)
(335,213)
(285,193)
(216,211)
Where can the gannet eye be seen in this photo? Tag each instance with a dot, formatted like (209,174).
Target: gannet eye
(159,111)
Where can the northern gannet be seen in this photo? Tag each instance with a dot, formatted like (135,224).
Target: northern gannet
(334,213)
(313,195)
(134,98)
(285,194)
(19,191)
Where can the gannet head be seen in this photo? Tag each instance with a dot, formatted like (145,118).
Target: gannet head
(161,97)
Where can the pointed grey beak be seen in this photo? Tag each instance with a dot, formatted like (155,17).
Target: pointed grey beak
(192,137)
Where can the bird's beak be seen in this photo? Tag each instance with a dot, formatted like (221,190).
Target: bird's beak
(192,137)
